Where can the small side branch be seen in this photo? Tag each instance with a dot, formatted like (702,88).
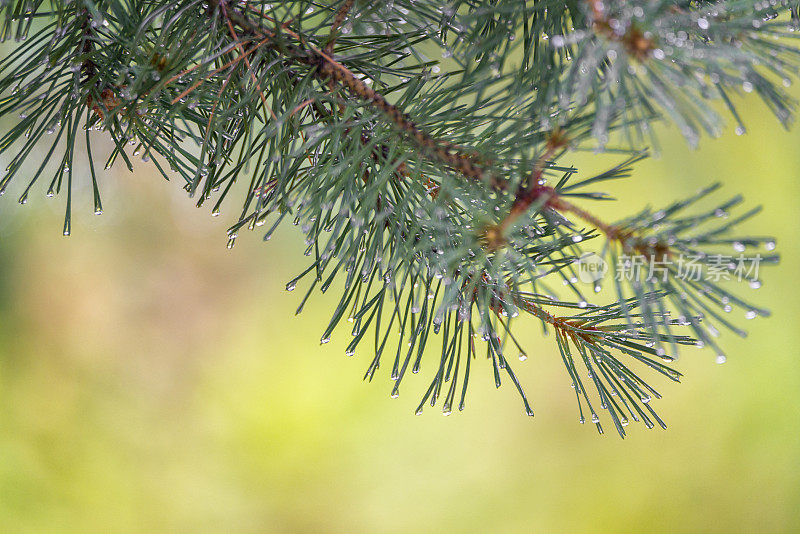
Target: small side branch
(347,5)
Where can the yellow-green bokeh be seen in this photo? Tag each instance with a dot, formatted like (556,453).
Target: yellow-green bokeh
(153,381)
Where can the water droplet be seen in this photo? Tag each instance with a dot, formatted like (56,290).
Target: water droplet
(740,130)
(703,23)
(751,314)
(755,284)
(325,340)
(577,238)
(769,245)
(721,358)
(595,418)
(523,356)
(291,285)
(394,394)
(738,247)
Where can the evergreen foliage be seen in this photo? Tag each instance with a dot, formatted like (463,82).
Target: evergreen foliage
(416,144)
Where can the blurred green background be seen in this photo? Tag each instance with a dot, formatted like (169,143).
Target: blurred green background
(153,381)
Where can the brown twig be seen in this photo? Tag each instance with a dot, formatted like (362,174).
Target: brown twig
(574,328)
(337,22)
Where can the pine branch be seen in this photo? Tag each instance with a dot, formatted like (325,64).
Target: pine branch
(459,160)
(433,200)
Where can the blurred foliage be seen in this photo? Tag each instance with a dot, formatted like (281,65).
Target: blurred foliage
(152,380)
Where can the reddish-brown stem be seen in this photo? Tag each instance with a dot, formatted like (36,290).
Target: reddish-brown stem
(532,191)
(573,328)
(552,200)
(629,240)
